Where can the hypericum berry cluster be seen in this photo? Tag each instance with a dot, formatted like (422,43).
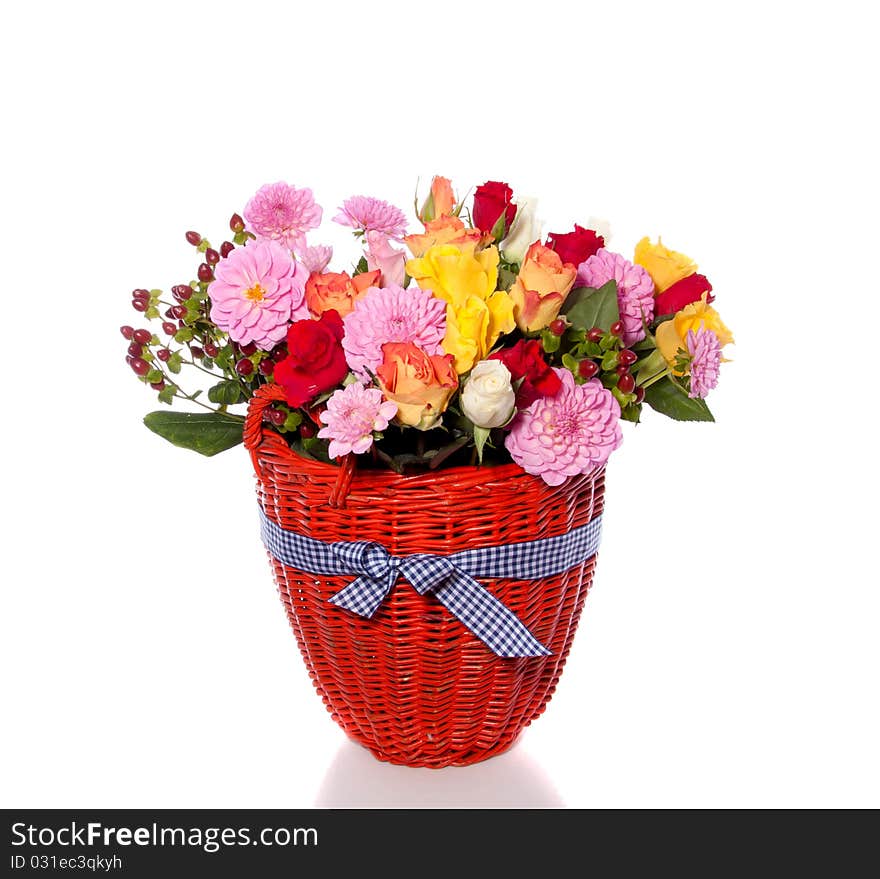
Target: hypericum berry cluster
(192,339)
(598,353)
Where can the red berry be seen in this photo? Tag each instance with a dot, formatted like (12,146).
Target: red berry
(616,329)
(306,430)
(640,394)
(622,369)
(141,367)
(205,273)
(244,367)
(211,349)
(236,223)
(558,326)
(212,257)
(158,386)
(267,366)
(139,304)
(196,352)
(277,417)
(587,369)
(135,350)
(194,238)
(143,336)
(127,332)
(248,349)
(226,248)
(169,328)
(279,352)
(627,357)
(163,354)
(169,312)
(182,292)
(129,359)
(595,334)
(179,311)
(140,293)
(626,384)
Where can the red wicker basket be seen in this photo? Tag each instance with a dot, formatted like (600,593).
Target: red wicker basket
(412,684)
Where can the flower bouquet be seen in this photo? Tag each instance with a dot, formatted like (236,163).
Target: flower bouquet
(429,430)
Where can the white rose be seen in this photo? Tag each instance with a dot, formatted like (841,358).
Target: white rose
(488,398)
(525,231)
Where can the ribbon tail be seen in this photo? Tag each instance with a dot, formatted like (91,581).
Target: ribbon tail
(363,595)
(489,619)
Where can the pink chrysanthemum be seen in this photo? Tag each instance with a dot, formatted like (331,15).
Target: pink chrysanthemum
(705,351)
(372,215)
(316,258)
(283,213)
(571,433)
(635,289)
(351,416)
(257,290)
(392,314)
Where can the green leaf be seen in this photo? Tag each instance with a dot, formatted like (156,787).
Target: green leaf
(206,433)
(151,313)
(670,399)
(224,356)
(175,361)
(499,230)
(293,421)
(570,362)
(361,266)
(506,277)
(166,395)
(588,307)
(184,334)
(481,434)
(550,341)
(154,376)
(226,392)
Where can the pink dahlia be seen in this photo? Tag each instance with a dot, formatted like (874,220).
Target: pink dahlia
(257,290)
(571,433)
(635,289)
(372,215)
(283,213)
(392,314)
(351,416)
(316,258)
(705,351)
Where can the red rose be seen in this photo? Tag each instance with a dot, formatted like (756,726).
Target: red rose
(575,247)
(525,360)
(682,293)
(492,200)
(315,360)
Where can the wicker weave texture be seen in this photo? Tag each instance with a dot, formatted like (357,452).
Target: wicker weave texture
(412,684)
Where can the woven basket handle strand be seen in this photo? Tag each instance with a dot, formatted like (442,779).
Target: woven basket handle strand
(262,399)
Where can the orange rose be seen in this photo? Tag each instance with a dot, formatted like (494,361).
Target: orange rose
(443,230)
(337,291)
(444,197)
(420,384)
(541,287)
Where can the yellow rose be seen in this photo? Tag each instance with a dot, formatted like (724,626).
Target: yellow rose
(540,288)
(420,385)
(476,313)
(665,266)
(672,334)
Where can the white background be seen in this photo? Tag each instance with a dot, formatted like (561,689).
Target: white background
(728,653)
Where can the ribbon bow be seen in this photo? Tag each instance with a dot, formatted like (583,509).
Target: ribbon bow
(450,578)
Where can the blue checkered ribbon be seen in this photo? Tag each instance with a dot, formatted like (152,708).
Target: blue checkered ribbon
(449,577)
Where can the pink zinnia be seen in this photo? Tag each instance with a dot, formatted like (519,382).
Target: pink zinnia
(705,351)
(316,258)
(392,314)
(635,289)
(283,213)
(571,433)
(372,215)
(351,416)
(257,290)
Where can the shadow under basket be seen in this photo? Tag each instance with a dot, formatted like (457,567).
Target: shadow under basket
(413,684)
